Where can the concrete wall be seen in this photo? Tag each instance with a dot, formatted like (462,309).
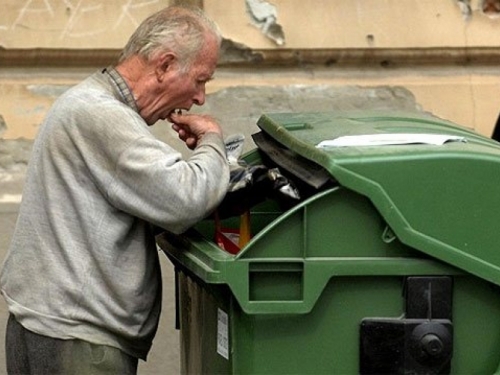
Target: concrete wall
(71,23)
(465,95)
(48,45)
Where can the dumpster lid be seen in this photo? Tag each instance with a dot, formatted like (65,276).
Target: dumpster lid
(434,182)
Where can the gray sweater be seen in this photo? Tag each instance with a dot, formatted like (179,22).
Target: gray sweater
(83,262)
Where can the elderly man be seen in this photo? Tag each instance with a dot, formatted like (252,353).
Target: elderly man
(82,278)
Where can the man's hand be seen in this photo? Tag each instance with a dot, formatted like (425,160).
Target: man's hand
(191,128)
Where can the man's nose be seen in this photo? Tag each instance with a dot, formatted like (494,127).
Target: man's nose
(199,98)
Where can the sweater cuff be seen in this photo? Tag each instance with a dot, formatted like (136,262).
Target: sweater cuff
(214,139)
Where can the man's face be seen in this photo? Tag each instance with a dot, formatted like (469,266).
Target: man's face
(177,89)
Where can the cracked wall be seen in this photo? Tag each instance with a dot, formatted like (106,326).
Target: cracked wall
(264,16)
(360,23)
(457,93)
(238,109)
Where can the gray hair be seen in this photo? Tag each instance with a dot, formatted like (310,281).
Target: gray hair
(178,29)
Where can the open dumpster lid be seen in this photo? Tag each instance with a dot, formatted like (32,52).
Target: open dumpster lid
(435,183)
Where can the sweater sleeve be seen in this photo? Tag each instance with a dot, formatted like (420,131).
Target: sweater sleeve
(154,183)
(104,150)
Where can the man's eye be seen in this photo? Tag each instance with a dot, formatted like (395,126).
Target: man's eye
(205,81)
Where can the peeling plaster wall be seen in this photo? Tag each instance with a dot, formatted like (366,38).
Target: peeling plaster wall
(365,23)
(261,24)
(466,96)
(26,98)
(238,109)
(264,16)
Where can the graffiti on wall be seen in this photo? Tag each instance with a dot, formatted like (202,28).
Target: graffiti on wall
(71,19)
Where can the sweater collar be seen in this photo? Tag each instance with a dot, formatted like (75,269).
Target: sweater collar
(121,87)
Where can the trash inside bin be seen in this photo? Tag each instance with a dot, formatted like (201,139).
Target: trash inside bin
(389,262)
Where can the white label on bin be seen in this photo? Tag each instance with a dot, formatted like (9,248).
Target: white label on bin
(390,139)
(222,334)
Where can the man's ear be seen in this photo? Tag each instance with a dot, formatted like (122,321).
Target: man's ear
(164,63)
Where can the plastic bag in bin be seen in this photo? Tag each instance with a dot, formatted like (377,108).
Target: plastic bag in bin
(249,185)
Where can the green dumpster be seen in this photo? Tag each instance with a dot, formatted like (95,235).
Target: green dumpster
(388,264)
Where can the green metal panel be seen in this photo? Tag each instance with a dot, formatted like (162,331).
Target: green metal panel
(334,233)
(441,200)
(326,340)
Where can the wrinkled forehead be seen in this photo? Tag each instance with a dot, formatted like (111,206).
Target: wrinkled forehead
(208,56)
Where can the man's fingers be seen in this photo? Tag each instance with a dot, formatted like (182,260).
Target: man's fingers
(191,142)
(192,127)
(185,136)
(178,118)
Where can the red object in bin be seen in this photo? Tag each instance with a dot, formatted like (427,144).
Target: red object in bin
(227,239)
